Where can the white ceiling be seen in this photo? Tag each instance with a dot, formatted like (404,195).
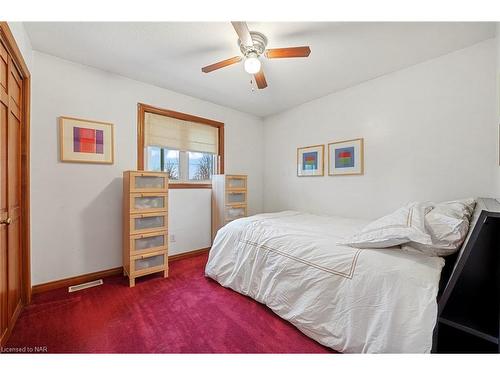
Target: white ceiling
(171,55)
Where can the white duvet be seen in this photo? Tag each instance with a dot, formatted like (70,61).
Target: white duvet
(351,300)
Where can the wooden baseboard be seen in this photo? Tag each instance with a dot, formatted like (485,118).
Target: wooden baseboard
(75,280)
(188,254)
(64,283)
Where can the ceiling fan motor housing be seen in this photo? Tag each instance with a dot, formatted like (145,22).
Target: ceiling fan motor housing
(259,44)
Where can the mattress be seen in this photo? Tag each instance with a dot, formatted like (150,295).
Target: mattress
(351,300)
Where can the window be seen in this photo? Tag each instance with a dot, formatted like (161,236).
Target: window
(170,163)
(164,160)
(182,165)
(200,166)
(190,149)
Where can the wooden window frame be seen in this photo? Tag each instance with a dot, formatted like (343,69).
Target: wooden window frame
(17,57)
(142,109)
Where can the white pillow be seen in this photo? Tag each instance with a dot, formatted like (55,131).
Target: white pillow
(448,224)
(403,225)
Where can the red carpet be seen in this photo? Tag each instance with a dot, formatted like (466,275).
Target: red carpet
(186,313)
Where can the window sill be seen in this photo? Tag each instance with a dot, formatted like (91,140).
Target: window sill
(187,185)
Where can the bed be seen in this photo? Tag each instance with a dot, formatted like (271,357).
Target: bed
(351,300)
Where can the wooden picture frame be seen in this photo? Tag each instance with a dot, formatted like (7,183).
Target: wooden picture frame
(352,163)
(86,141)
(314,165)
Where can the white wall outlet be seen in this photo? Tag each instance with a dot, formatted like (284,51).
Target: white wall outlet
(172,238)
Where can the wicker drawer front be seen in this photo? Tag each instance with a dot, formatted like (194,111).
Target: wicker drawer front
(236,197)
(148,202)
(233,213)
(145,223)
(148,182)
(148,243)
(150,263)
(236,182)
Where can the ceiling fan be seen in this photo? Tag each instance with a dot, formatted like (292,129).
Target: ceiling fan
(252,45)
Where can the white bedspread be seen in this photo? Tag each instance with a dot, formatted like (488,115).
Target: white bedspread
(354,301)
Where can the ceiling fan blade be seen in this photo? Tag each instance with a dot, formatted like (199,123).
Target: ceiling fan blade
(281,53)
(221,64)
(260,79)
(241,29)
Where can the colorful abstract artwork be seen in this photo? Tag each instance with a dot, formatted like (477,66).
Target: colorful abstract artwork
(310,161)
(86,141)
(346,157)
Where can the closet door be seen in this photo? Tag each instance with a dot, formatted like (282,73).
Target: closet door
(4,120)
(10,189)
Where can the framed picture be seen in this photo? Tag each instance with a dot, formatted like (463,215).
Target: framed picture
(85,141)
(310,161)
(346,158)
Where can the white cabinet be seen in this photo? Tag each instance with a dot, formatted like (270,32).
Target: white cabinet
(229,199)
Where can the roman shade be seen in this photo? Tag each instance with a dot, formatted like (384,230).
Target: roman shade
(172,133)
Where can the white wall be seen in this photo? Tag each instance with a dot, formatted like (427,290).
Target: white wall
(430,134)
(76,208)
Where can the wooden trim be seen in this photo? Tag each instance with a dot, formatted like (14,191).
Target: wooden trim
(75,280)
(188,185)
(17,58)
(25,193)
(13,49)
(188,254)
(221,150)
(140,136)
(180,115)
(141,111)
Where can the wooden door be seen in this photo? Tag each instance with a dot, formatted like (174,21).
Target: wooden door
(10,190)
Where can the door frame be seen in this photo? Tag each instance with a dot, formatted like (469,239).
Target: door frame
(17,58)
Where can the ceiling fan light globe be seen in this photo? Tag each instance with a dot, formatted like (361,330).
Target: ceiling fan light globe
(252,65)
